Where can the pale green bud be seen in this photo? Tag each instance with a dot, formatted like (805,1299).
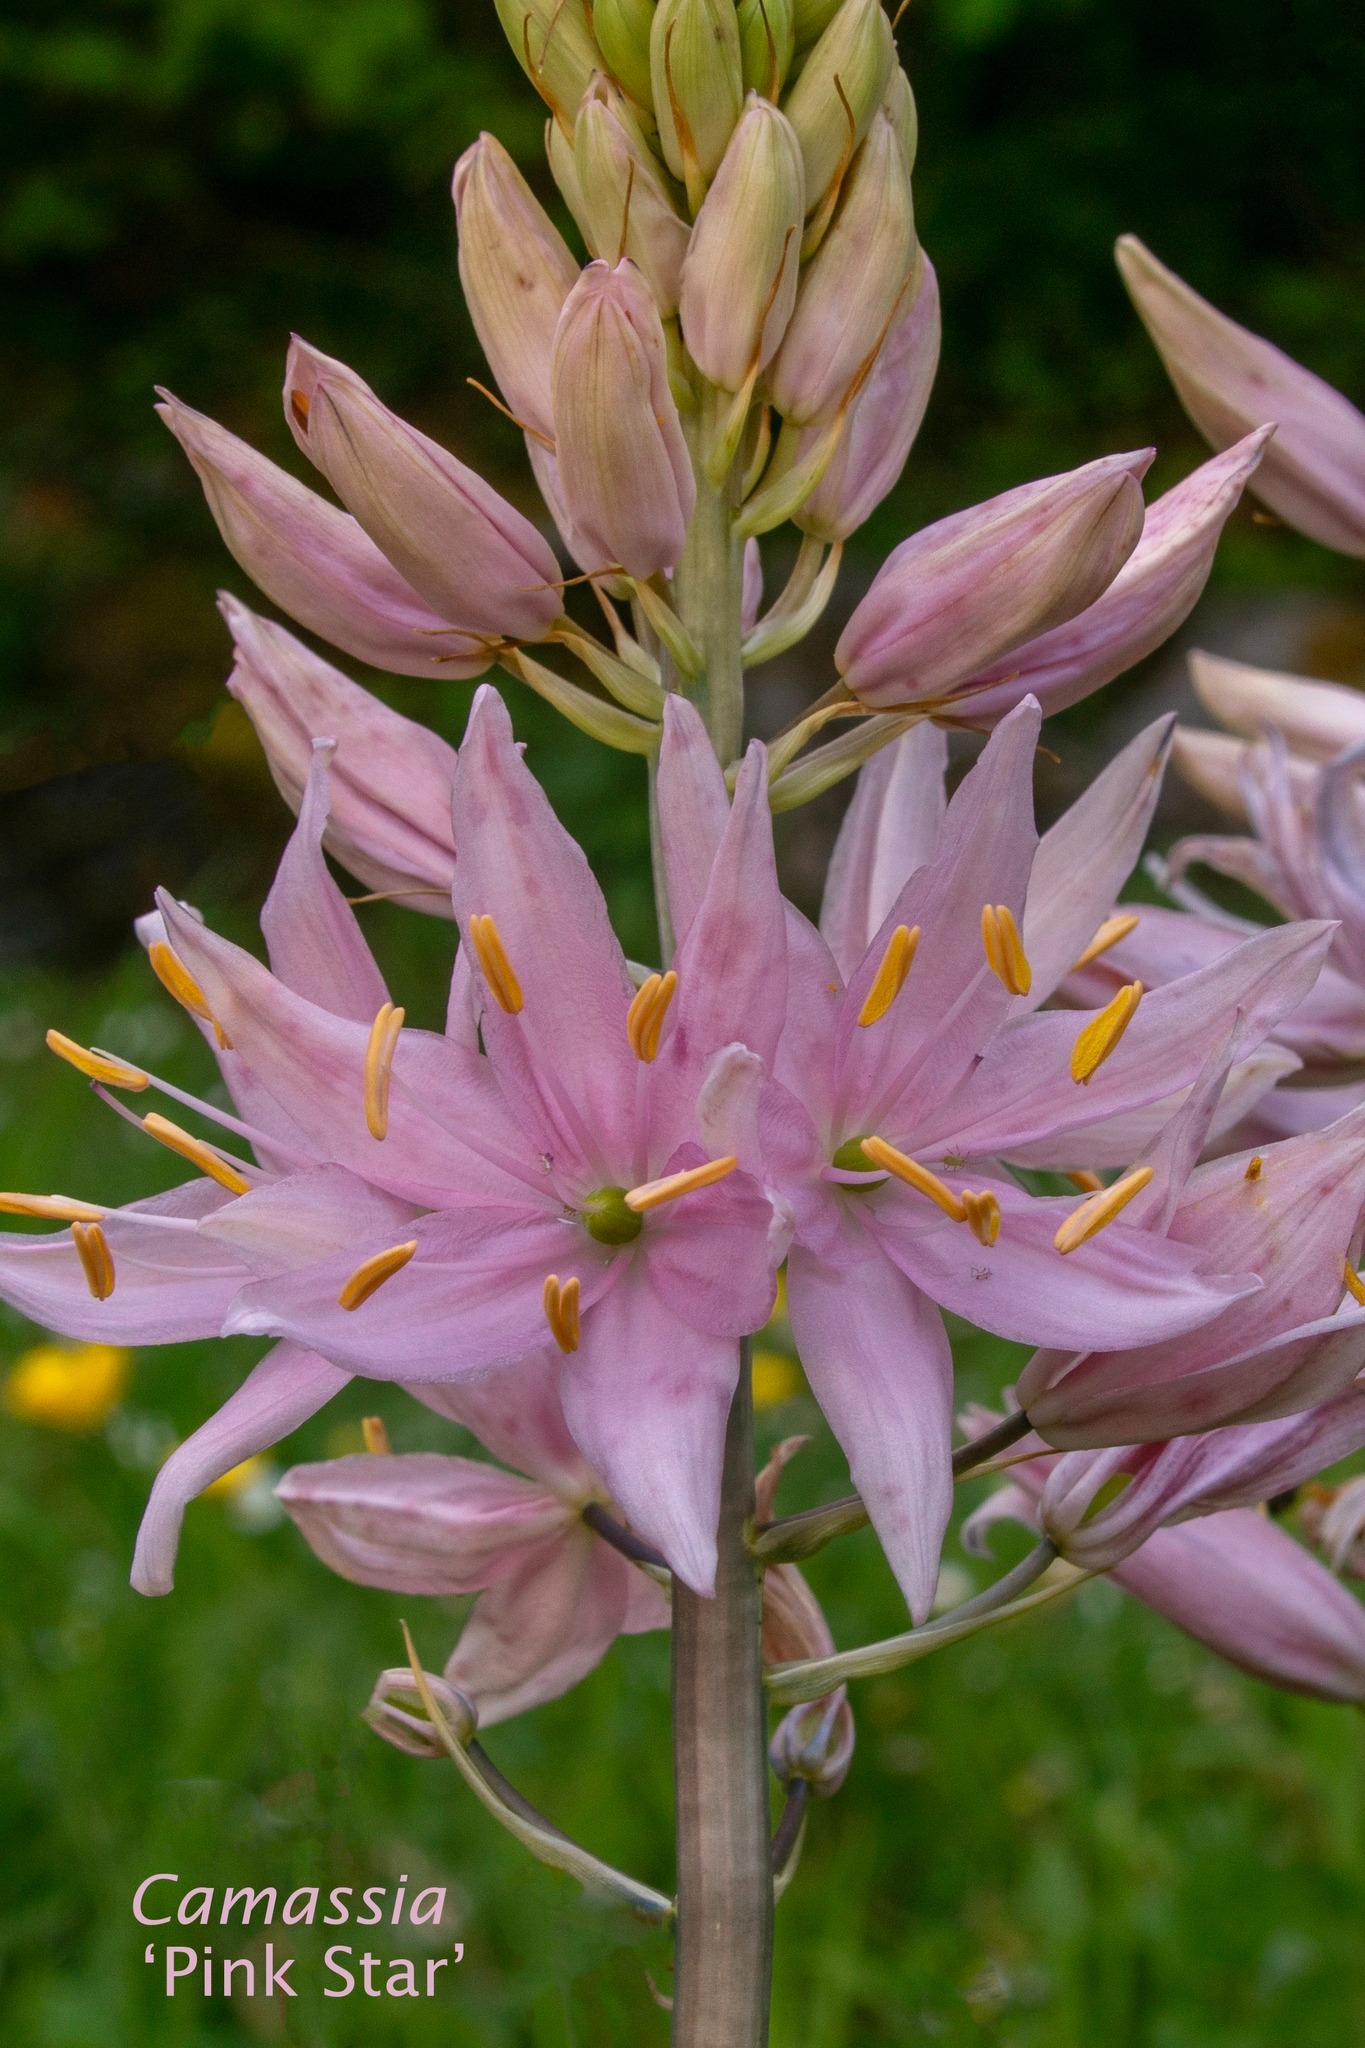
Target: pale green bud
(859,51)
(622,29)
(900,110)
(811,18)
(740,277)
(554,44)
(559,154)
(767,40)
(697,72)
(627,208)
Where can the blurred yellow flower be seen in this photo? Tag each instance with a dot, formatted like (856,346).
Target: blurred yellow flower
(238,1480)
(777,1378)
(68,1387)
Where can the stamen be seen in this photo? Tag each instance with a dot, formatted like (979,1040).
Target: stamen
(561,1311)
(1005,955)
(655,1193)
(1099,1037)
(915,1176)
(1089,1183)
(1254,1165)
(503,985)
(57,1208)
(1110,932)
(97,1066)
(171,971)
(379,1067)
(197,1152)
(92,1249)
(1355,1286)
(376,1437)
(889,979)
(300,406)
(645,1017)
(370,1275)
(983,1214)
(1100,1209)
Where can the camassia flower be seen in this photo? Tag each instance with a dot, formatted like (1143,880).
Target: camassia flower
(421,1210)
(909,1068)
(553,1595)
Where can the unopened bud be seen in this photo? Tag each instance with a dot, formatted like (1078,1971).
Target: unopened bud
(858,50)
(397,1713)
(740,277)
(627,210)
(852,287)
(767,41)
(698,80)
(516,270)
(811,18)
(900,110)
(559,154)
(622,29)
(555,46)
(815,1742)
(624,469)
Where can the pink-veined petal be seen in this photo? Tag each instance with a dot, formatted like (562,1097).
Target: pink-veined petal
(310,930)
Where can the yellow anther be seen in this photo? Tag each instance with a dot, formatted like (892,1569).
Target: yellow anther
(1005,955)
(645,1017)
(1089,1183)
(92,1249)
(371,1274)
(197,1152)
(171,971)
(655,1193)
(1254,1166)
(1110,932)
(915,1176)
(561,1311)
(889,979)
(1099,1037)
(379,1067)
(503,985)
(376,1436)
(97,1066)
(983,1214)
(1100,1209)
(1355,1286)
(55,1208)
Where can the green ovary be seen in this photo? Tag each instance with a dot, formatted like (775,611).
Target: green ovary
(606,1217)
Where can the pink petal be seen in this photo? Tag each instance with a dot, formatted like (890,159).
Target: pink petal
(310,930)
(694,808)
(517,1413)
(711,1255)
(542,1630)
(306,1216)
(889,831)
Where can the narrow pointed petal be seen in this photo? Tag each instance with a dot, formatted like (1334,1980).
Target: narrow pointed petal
(877,1358)
(1211,763)
(471,555)
(517,1413)
(283,1391)
(1230,380)
(310,930)
(314,561)
(1153,593)
(647,1398)
(1317,719)
(890,830)
(694,808)
(303,1217)
(538,1632)
(391,778)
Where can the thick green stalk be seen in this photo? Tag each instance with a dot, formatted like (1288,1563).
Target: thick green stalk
(708,594)
(725,1886)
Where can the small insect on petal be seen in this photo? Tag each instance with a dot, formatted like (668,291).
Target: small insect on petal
(97,1066)
(1114,928)
(1355,1286)
(1254,1166)
(197,1152)
(889,979)
(1099,1037)
(370,1275)
(92,1249)
(915,1176)
(654,1193)
(648,1009)
(503,985)
(379,1067)
(561,1311)
(1004,949)
(1094,1213)
(983,1214)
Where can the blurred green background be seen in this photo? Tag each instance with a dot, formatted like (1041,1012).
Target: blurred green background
(1084,1830)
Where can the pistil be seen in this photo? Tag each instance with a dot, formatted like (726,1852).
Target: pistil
(370,1275)
(1004,949)
(379,1067)
(889,979)
(1099,1037)
(1097,1210)
(503,985)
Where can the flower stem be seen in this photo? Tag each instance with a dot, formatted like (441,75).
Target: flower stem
(708,594)
(725,1877)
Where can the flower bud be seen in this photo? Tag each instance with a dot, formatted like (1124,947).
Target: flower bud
(555,46)
(698,77)
(882,422)
(989,578)
(815,1742)
(810,19)
(624,469)
(517,271)
(740,277)
(767,43)
(622,30)
(626,206)
(396,1712)
(850,289)
(900,110)
(559,155)
(858,49)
